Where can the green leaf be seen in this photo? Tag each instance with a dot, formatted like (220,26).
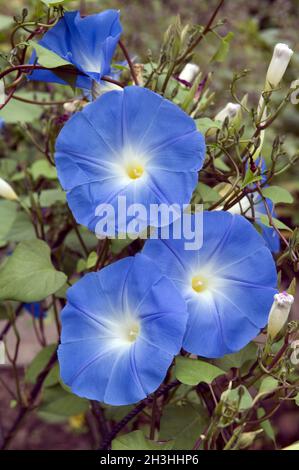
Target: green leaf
(7,168)
(48,197)
(268,385)
(238,360)
(61,293)
(238,397)
(266,425)
(183,424)
(42,168)
(91,260)
(53,377)
(246,439)
(136,441)
(81,265)
(117,245)
(188,102)
(292,289)
(203,193)
(90,240)
(47,58)
(17,111)
(278,195)
(8,213)
(278,224)
(117,413)
(21,229)
(250,177)
(223,49)
(28,275)
(220,164)
(204,124)
(88,263)
(39,363)
(193,371)
(58,404)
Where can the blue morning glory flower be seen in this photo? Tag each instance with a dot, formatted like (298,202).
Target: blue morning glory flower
(88,43)
(121,328)
(228,284)
(131,143)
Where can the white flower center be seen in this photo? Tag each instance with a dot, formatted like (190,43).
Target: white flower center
(125,331)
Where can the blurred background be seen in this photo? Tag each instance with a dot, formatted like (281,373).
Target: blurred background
(257,26)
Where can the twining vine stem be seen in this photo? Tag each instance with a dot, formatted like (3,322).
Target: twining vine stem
(31,401)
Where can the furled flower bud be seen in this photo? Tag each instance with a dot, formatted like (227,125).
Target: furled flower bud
(280,60)
(71,106)
(230,111)
(2,92)
(6,191)
(189,72)
(279,313)
(98,89)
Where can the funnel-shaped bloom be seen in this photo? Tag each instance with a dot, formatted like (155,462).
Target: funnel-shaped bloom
(121,328)
(130,143)
(87,43)
(228,284)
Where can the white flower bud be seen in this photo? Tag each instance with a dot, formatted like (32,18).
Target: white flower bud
(72,106)
(6,191)
(279,313)
(2,92)
(189,72)
(280,60)
(230,111)
(98,89)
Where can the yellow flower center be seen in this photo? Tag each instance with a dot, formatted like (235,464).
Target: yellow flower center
(135,170)
(199,284)
(133,332)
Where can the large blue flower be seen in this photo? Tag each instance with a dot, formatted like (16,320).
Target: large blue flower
(228,284)
(88,43)
(121,328)
(130,143)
